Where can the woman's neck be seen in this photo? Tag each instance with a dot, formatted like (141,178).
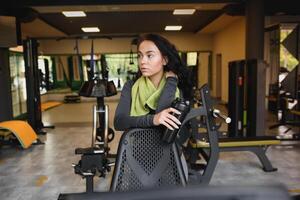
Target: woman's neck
(155,79)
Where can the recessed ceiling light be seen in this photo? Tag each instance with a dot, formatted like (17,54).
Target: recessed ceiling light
(115,8)
(184,11)
(74,13)
(173,28)
(90,29)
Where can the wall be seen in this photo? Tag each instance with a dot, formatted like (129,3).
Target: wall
(183,42)
(230,42)
(203,71)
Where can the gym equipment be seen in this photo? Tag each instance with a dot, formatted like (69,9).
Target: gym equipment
(22,130)
(288,100)
(48,83)
(286,82)
(72,98)
(258,146)
(236,99)
(95,159)
(285,119)
(204,145)
(145,161)
(246,98)
(195,192)
(33,86)
(100,88)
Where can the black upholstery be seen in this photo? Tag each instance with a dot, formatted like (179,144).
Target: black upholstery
(195,192)
(144,161)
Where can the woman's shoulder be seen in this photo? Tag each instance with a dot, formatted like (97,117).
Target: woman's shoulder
(128,85)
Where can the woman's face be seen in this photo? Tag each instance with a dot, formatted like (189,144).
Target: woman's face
(151,61)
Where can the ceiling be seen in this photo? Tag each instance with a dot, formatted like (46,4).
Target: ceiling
(129,19)
(131,22)
(123,18)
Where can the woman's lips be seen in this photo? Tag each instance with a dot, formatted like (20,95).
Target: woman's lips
(144,69)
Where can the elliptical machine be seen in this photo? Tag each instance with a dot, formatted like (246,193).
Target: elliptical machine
(95,159)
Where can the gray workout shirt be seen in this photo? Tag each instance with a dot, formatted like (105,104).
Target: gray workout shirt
(124,121)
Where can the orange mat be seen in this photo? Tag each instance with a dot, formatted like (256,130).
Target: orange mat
(22,130)
(49,104)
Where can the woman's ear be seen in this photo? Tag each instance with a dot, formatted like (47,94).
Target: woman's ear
(165,60)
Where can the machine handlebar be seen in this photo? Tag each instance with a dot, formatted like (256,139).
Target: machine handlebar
(217,113)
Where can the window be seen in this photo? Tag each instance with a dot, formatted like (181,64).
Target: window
(122,67)
(18,83)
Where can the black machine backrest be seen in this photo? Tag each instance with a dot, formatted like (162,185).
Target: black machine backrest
(144,161)
(195,192)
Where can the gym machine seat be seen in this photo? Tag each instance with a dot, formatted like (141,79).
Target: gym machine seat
(22,130)
(144,161)
(257,145)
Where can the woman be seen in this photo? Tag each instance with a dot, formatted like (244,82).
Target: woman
(146,101)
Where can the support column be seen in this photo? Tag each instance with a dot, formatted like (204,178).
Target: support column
(6,111)
(255,101)
(34,114)
(255,29)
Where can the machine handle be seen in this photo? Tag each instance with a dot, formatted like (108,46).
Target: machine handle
(217,113)
(94,132)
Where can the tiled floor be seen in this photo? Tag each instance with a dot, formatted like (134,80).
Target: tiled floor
(44,171)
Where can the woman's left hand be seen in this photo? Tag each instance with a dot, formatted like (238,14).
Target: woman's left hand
(166,118)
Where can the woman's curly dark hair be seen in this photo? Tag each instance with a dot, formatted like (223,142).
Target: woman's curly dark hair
(175,64)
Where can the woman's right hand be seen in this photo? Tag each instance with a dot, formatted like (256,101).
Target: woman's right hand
(166,118)
(170,74)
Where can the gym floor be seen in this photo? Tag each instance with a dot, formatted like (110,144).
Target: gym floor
(45,171)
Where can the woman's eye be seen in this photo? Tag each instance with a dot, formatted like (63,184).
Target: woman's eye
(150,56)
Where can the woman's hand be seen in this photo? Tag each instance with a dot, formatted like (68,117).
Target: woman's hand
(166,118)
(170,74)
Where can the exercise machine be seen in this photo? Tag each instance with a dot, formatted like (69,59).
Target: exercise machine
(34,113)
(264,192)
(246,97)
(202,145)
(96,159)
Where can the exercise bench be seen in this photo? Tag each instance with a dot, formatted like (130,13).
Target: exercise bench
(21,130)
(257,145)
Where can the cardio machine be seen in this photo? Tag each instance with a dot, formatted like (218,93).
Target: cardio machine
(95,159)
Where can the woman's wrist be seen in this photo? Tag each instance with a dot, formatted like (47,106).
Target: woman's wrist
(155,120)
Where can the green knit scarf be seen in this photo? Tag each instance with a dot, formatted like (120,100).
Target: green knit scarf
(145,96)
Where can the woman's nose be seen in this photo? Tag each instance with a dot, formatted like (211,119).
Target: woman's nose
(143,59)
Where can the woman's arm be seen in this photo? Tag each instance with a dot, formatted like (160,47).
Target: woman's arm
(123,120)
